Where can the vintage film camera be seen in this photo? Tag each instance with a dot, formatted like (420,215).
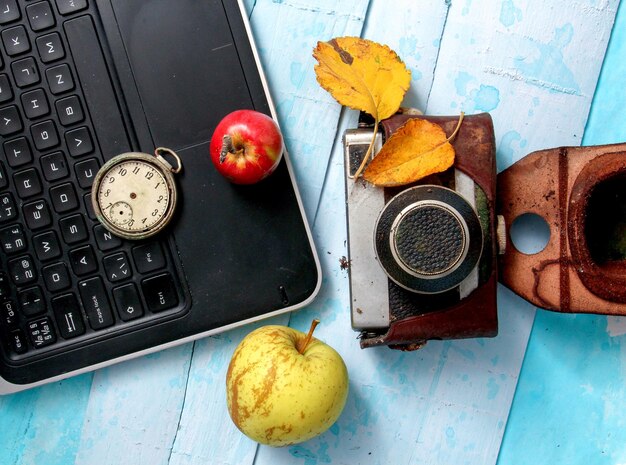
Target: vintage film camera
(423,257)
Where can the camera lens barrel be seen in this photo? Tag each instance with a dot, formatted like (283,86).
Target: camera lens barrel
(428,239)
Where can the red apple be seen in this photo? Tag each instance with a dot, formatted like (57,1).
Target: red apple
(246,146)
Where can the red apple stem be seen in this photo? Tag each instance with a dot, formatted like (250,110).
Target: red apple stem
(227,147)
(305,342)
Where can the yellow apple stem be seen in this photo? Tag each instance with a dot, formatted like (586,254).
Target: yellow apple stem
(303,344)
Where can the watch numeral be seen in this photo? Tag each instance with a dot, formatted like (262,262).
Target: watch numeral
(107,192)
(122,172)
(136,170)
(111,179)
(155,212)
(149,175)
(160,198)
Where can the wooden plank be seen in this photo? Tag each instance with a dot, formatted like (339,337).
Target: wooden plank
(43,425)
(569,402)
(134,409)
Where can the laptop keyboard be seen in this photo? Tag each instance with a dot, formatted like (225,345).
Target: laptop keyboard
(64,279)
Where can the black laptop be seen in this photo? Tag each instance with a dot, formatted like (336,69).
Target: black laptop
(80,82)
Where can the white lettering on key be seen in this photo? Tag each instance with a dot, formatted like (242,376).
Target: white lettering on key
(8,10)
(69,111)
(45,135)
(50,46)
(63,198)
(16,40)
(56,277)
(7,121)
(34,102)
(161,298)
(60,80)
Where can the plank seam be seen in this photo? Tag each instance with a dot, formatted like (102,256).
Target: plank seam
(443,30)
(182,407)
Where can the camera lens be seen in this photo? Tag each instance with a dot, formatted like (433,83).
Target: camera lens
(428,239)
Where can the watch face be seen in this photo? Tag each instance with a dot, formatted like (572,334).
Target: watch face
(134,197)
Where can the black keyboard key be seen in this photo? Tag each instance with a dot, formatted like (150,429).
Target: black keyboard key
(7,208)
(37,214)
(117,267)
(40,16)
(6,93)
(127,302)
(8,11)
(15,40)
(50,47)
(160,292)
(148,257)
(27,183)
(10,121)
(17,152)
(5,289)
(98,92)
(70,110)
(54,166)
(12,239)
(3,177)
(56,277)
(22,270)
(35,104)
(63,198)
(17,342)
(31,301)
(46,245)
(105,239)
(79,141)
(73,229)
(95,302)
(25,72)
(41,333)
(59,79)
(67,7)
(8,313)
(91,213)
(83,260)
(68,316)
(45,135)
(85,172)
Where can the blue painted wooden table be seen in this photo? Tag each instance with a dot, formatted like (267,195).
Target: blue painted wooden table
(549,389)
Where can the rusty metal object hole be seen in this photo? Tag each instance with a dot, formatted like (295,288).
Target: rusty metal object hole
(530,233)
(596,216)
(605,222)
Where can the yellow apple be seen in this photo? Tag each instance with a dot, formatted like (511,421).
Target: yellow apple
(284,386)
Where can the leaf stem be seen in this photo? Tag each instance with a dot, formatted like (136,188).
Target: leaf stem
(368,153)
(458,126)
(304,343)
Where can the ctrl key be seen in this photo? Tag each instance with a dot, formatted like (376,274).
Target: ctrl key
(160,292)
(41,333)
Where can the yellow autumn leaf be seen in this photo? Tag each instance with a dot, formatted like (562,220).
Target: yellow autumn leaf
(417,149)
(362,74)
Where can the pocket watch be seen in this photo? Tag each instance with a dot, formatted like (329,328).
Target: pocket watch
(134,194)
